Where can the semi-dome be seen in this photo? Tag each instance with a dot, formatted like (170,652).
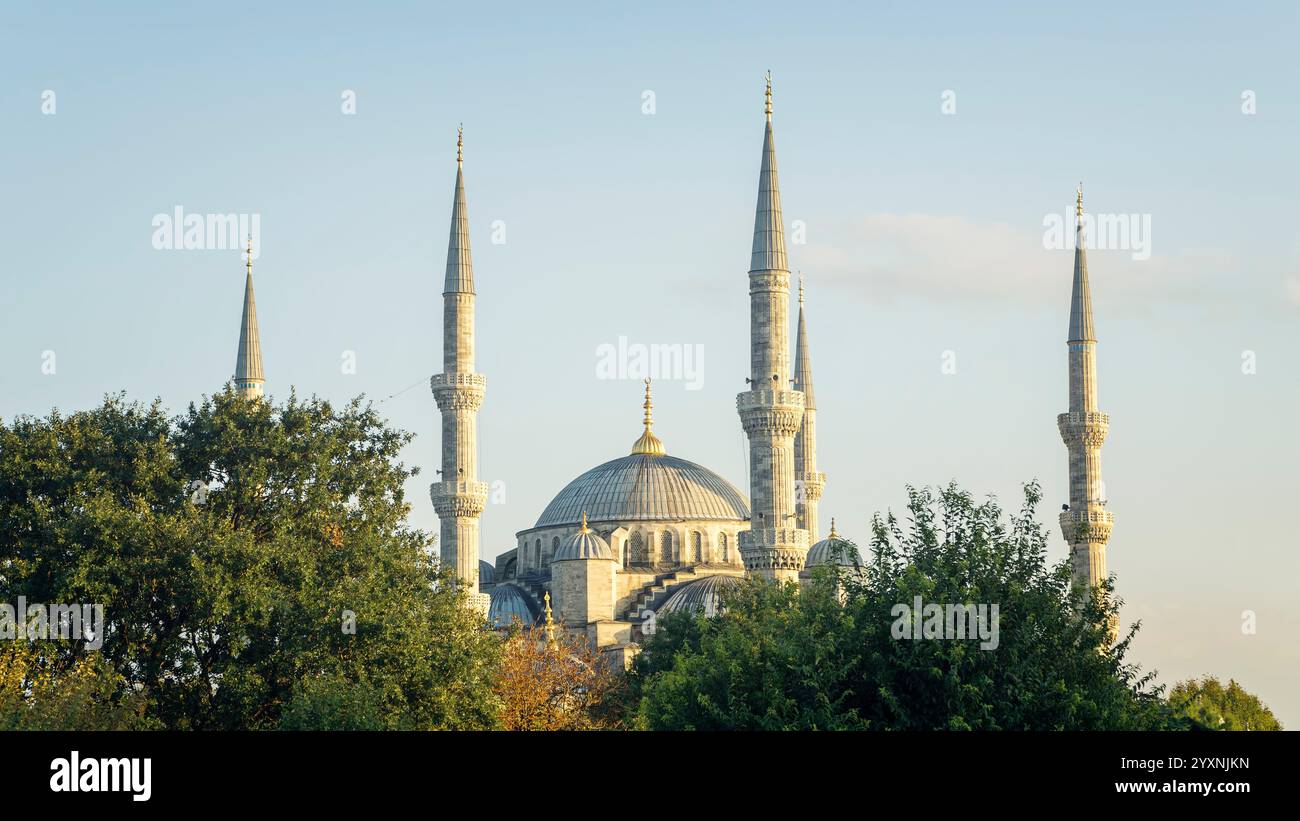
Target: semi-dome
(833,550)
(700,596)
(509,603)
(585,544)
(486,572)
(646,485)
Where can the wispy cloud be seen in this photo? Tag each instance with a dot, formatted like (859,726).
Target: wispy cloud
(954,259)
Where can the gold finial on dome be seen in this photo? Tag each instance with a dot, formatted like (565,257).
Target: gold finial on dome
(584,528)
(833,534)
(767,105)
(648,444)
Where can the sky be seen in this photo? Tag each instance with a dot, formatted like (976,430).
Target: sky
(611,165)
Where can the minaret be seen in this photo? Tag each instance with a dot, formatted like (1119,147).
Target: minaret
(1087,523)
(249,380)
(459,498)
(809,483)
(771,412)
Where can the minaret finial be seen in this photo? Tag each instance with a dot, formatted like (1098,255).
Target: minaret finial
(248,265)
(648,444)
(550,623)
(767,106)
(460,144)
(1078,202)
(801,287)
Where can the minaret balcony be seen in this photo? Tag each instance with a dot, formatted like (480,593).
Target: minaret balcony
(770,411)
(458,391)
(773,538)
(459,498)
(812,483)
(1092,524)
(1088,427)
(457,380)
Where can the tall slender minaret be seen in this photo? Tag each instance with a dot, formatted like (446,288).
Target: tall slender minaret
(809,483)
(1087,523)
(459,498)
(771,412)
(249,380)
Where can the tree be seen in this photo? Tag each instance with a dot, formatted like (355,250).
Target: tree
(40,690)
(1215,707)
(832,655)
(554,682)
(243,552)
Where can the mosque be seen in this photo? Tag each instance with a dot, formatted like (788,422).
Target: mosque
(650,533)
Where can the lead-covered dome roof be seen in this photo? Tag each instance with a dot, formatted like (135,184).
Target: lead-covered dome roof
(509,603)
(646,487)
(700,596)
(834,549)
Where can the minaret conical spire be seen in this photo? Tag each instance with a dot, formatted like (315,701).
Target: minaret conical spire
(768,253)
(249,379)
(802,357)
(1081,329)
(460,265)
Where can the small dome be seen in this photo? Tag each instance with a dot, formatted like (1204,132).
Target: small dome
(585,544)
(700,596)
(487,573)
(509,603)
(833,550)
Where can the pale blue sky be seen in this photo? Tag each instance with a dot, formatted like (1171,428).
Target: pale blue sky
(924,235)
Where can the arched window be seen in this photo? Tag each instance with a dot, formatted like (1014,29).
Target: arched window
(722,543)
(537,555)
(555,545)
(698,545)
(666,548)
(636,553)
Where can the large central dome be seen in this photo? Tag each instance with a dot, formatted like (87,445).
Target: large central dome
(646,487)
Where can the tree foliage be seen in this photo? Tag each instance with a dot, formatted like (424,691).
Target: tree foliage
(41,689)
(559,683)
(228,600)
(1211,705)
(824,656)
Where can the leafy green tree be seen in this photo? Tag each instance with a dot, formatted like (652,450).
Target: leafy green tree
(336,703)
(825,656)
(42,689)
(1211,705)
(243,552)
